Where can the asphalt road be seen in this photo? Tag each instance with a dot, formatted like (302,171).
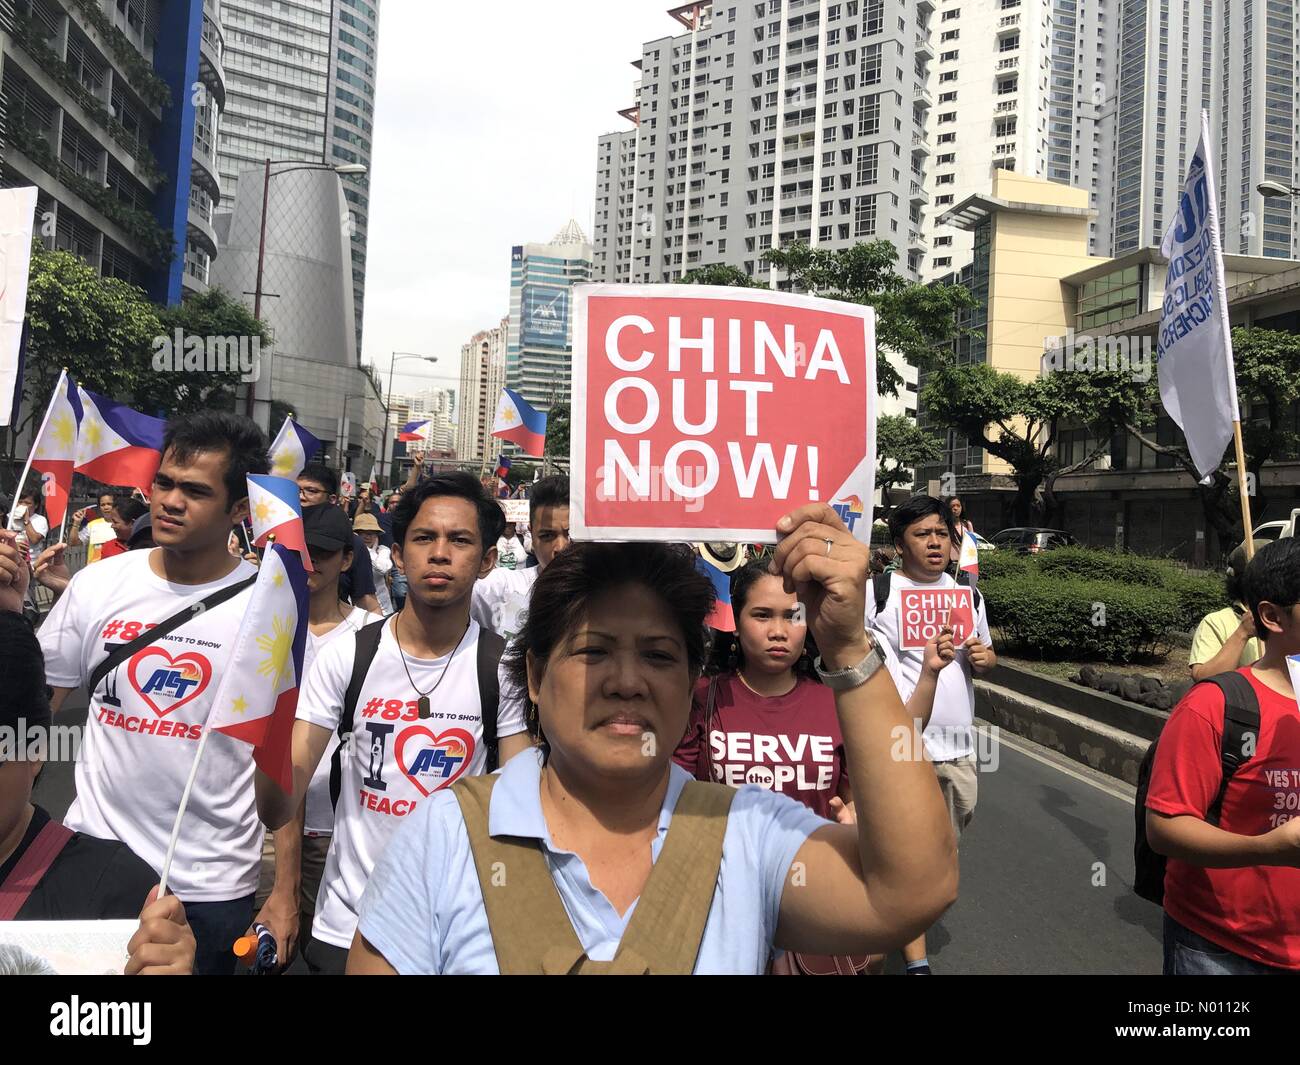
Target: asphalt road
(1033,897)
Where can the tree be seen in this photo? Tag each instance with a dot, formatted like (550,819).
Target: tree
(100,328)
(228,330)
(916,321)
(557,433)
(900,441)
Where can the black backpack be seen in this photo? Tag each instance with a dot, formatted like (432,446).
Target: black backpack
(490,649)
(880,586)
(1240,728)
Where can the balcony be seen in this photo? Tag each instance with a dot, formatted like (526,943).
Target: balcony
(1003,107)
(919,145)
(921,95)
(1007,22)
(200,229)
(923,46)
(1010,63)
(916,240)
(918,193)
(211,72)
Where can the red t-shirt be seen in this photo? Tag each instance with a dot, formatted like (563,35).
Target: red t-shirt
(788,743)
(1255,911)
(113,547)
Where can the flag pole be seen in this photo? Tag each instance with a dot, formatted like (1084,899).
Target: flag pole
(1246,523)
(31,451)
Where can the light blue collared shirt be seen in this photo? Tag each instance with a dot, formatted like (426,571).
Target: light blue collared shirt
(423,907)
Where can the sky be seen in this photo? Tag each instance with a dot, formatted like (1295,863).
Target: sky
(485,137)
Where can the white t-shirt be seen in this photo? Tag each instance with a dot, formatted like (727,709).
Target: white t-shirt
(320,807)
(500,602)
(511,554)
(145,720)
(949,733)
(381,561)
(396,760)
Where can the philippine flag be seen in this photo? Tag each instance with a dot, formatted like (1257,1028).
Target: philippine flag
(503,467)
(292,450)
(970,554)
(722,617)
(55,450)
(519,423)
(413,432)
(258,695)
(274,509)
(117,445)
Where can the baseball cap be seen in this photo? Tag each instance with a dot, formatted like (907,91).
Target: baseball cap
(326,527)
(141,530)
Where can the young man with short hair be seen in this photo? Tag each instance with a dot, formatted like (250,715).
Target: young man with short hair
(501,598)
(291,877)
(1232,883)
(923,534)
(148,711)
(418,720)
(318,485)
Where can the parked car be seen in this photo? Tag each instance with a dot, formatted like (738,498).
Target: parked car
(983,545)
(1277,530)
(1030,541)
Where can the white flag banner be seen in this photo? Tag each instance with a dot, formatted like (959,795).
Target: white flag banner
(17,213)
(1198,385)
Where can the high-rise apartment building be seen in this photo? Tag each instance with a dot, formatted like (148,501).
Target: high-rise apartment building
(539,354)
(482,376)
(765,123)
(110,109)
(301,80)
(1020,85)
(1236,59)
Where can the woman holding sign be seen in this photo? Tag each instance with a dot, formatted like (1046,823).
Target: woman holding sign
(536,869)
(763,716)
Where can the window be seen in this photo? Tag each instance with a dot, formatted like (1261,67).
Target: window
(948,97)
(864,216)
(948,16)
(949,57)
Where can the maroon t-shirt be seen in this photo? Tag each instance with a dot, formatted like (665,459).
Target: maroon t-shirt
(788,743)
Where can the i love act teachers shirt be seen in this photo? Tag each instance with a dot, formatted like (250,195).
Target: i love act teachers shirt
(145,720)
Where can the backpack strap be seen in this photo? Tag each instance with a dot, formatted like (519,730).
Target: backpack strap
(490,649)
(124,651)
(880,586)
(31,867)
(367,638)
(668,925)
(531,930)
(1240,731)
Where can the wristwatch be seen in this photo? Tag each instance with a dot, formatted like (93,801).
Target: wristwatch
(841,680)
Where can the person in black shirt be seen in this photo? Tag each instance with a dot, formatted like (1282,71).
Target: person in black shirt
(318,486)
(87,878)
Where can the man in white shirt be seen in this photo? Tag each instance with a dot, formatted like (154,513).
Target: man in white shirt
(501,599)
(147,713)
(922,597)
(418,721)
(511,551)
(291,874)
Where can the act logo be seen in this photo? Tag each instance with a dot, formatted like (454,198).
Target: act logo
(166,683)
(430,761)
(849,511)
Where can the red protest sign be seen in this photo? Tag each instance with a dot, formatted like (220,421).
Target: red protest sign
(922,612)
(706,413)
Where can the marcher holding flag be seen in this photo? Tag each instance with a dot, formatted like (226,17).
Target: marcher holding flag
(54,451)
(150,633)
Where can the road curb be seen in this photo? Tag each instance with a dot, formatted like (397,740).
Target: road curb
(1103,747)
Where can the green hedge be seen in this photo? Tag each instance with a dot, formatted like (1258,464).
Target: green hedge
(1048,603)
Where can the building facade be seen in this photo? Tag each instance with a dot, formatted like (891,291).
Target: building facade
(103,118)
(539,353)
(1238,61)
(301,81)
(437,406)
(766,123)
(1020,85)
(482,376)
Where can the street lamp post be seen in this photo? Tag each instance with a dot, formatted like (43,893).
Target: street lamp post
(394,359)
(259,391)
(1276,190)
